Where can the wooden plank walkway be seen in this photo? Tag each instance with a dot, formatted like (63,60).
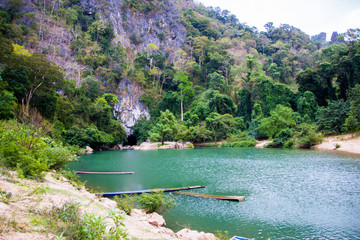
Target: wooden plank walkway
(228,198)
(119,173)
(112,194)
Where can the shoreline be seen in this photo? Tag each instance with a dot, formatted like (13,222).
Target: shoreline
(26,198)
(348,143)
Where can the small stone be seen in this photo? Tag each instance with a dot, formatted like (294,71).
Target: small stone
(88,150)
(156,219)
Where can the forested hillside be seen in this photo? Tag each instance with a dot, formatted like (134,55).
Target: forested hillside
(201,73)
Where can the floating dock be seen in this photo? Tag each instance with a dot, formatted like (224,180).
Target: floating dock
(228,198)
(112,194)
(119,173)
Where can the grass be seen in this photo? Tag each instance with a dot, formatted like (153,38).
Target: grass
(67,221)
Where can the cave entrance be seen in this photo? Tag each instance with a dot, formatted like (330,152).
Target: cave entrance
(131,140)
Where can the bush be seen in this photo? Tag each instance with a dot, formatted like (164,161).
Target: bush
(156,202)
(87,136)
(243,143)
(67,221)
(30,160)
(239,140)
(282,139)
(126,203)
(306,136)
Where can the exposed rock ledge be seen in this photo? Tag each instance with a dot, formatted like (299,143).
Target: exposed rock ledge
(23,199)
(167,145)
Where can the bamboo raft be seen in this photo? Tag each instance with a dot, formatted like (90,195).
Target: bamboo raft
(119,173)
(112,194)
(228,198)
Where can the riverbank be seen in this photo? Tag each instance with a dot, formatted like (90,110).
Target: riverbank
(349,143)
(23,203)
(167,145)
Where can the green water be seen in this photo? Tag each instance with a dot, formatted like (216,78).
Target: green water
(290,194)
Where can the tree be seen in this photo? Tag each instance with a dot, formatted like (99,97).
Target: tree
(216,81)
(251,67)
(269,28)
(166,127)
(354,98)
(220,125)
(186,90)
(244,108)
(7,101)
(307,106)
(309,80)
(332,118)
(200,44)
(222,104)
(213,122)
(280,118)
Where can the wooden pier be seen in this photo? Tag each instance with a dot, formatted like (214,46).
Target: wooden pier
(228,198)
(118,173)
(112,194)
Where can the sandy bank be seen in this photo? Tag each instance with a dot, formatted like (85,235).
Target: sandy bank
(25,197)
(346,143)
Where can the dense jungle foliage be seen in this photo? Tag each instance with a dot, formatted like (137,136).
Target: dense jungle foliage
(228,82)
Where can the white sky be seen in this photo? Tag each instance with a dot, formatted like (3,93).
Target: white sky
(310,16)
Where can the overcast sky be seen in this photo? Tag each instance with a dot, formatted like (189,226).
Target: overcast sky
(311,16)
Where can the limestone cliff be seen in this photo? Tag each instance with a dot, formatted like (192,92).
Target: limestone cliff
(130,109)
(133,29)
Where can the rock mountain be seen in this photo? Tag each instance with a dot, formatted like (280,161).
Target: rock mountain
(133,29)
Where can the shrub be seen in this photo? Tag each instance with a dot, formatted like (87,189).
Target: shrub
(282,139)
(33,156)
(87,136)
(239,140)
(126,203)
(156,202)
(306,136)
(67,221)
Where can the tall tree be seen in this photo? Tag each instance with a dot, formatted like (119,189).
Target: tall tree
(166,127)
(186,90)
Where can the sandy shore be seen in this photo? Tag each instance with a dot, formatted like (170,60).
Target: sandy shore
(27,197)
(345,143)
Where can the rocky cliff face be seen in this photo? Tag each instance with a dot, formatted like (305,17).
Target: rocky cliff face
(130,108)
(135,30)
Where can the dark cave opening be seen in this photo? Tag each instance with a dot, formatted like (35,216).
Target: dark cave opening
(131,140)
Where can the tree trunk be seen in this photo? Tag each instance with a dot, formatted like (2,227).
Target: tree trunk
(181,105)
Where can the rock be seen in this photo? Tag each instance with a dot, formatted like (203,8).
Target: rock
(4,207)
(167,145)
(156,219)
(88,150)
(147,146)
(194,235)
(130,109)
(111,204)
(166,231)
(139,214)
(116,147)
